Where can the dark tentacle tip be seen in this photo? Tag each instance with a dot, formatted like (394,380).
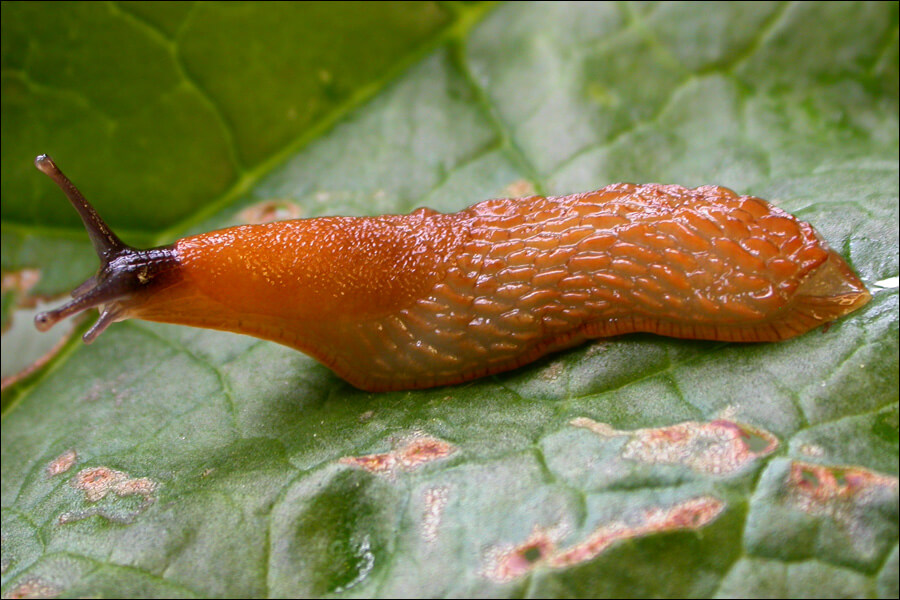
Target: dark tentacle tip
(45,164)
(44,321)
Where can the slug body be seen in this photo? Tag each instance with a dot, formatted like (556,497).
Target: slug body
(427,299)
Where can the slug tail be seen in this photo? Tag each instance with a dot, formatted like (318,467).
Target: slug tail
(830,292)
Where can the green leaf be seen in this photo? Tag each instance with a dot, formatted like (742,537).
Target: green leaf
(169,461)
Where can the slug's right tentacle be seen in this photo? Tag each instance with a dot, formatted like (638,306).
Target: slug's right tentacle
(89,299)
(107,318)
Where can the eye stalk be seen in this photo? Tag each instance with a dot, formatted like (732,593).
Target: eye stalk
(123,270)
(106,243)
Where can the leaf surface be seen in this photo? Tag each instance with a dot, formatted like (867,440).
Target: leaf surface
(177,462)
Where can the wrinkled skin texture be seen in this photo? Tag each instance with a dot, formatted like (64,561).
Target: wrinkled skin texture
(427,299)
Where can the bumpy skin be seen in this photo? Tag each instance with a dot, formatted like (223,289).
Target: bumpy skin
(426,299)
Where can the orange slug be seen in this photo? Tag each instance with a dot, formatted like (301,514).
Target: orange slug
(426,299)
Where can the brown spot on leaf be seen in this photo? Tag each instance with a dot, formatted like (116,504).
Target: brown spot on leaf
(423,450)
(33,587)
(519,189)
(23,361)
(844,494)
(435,502)
(271,210)
(98,483)
(507,563)
(20,282)
(718,447)
(141,486)
(374,463)
(692,514)
(811,450)
(61,463)
(413,453)
(552,371)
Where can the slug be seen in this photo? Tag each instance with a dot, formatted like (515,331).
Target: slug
(426,299)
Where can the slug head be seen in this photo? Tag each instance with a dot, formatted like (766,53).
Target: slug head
(125,273)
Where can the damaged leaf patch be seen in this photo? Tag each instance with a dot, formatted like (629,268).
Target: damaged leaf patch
(719,447)
(510,562)
(803,510)
(410,455)
(119,491)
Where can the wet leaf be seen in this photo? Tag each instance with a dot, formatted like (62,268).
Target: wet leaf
(169,461)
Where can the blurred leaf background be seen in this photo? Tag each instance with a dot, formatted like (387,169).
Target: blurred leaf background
(175,118)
